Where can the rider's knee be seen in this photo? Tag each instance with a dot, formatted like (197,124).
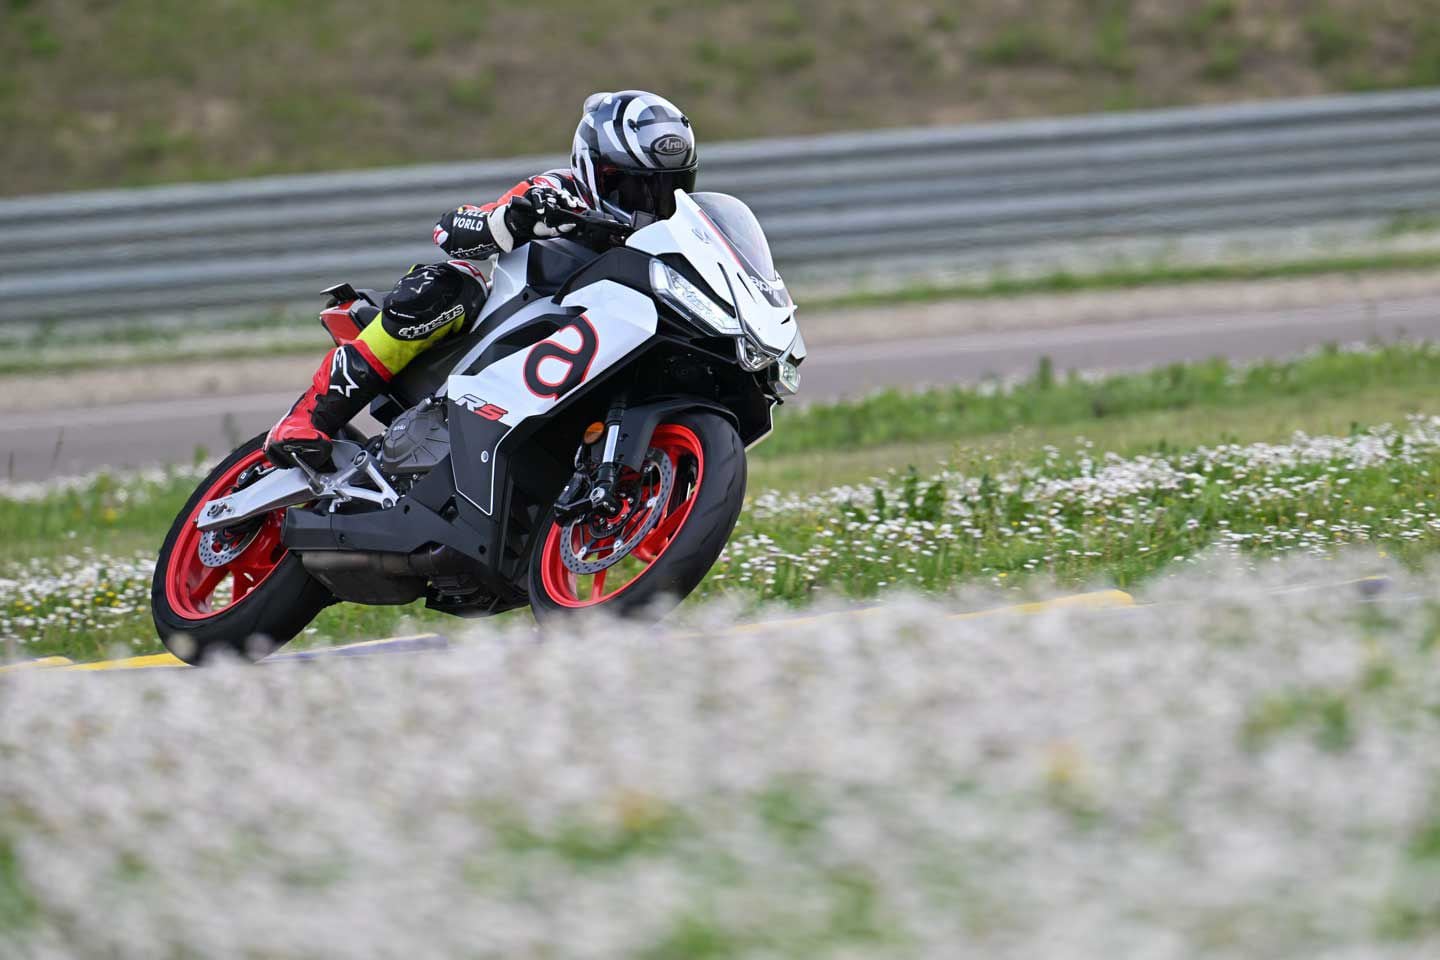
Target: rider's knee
(430,302)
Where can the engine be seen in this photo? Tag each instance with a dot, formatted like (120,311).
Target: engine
(416,441)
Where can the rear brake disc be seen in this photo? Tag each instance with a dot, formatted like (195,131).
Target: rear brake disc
(219,547)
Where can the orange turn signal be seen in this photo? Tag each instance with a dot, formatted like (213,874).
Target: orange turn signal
(594,432)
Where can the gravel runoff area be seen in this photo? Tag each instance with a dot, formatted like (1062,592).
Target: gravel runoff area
(1249,768)
(282,372)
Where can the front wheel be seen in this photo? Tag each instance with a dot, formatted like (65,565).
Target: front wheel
(236,589)
(679,511)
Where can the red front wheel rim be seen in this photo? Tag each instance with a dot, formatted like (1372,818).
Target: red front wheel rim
(198,592)
(568,589)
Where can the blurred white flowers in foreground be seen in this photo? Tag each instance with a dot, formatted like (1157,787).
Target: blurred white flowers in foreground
(1234,772)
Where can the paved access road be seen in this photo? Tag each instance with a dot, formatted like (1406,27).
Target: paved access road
(34,446)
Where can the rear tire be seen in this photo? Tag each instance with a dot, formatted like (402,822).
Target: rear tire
(281,602)
(686,555)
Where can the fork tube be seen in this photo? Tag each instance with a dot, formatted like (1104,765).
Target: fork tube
(609,469)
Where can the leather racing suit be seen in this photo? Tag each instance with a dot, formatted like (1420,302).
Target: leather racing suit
(429,303)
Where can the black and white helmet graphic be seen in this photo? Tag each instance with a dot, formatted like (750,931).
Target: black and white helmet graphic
(632,150)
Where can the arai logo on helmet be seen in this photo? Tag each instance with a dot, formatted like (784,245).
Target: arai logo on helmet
(670,145)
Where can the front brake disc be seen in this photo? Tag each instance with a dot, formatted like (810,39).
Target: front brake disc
(620,549)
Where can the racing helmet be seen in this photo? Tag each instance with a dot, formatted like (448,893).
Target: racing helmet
(632,150)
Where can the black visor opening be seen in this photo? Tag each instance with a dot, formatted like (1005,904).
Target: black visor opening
(650,191)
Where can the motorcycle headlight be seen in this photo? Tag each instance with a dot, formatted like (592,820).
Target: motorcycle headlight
(786,380)
(687,298)
(751,356)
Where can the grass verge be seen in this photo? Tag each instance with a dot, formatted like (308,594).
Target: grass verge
(1020,496)
(1133,276)
(1043,400)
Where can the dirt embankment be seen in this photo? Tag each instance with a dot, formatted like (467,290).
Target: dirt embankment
(96,94)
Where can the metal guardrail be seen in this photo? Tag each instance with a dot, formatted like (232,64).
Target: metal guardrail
(829,203)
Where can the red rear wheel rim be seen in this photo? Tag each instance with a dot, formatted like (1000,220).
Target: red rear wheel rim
(197,592)
(568,589)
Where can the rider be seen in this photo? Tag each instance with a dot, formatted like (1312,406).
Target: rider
(631,151)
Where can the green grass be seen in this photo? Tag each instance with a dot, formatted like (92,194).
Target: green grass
(1333,38)
(1176,429)
(1132,276)
(1407,224)
(1081,518)
(17,908)
(1033,424)
(1018,44)
(1043,400)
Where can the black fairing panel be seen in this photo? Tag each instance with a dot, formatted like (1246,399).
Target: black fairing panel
(623,265)
(415,522)
(505,480)
(475,443)
(552,262)
(429,514)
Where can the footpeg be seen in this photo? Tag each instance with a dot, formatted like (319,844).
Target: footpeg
(314,454)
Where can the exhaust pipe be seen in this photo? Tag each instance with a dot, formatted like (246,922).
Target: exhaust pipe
(437,561)
(382,578)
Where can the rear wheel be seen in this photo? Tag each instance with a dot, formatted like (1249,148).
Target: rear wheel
(678,511)
(236,589)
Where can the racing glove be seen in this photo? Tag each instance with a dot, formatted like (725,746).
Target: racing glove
(539,212)
(471,231)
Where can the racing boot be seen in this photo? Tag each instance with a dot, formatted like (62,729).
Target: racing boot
(349,378)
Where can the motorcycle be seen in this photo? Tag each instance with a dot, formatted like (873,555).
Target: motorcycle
(581,447)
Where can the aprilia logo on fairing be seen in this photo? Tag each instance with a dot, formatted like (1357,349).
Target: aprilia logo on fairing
(574,361)
(421,329)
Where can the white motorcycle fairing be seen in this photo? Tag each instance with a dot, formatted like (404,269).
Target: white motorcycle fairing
(603,324)
(762,303)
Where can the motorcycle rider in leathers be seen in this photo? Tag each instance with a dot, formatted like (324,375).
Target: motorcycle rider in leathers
(631,151)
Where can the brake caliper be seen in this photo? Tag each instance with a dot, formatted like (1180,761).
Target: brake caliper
(593,541)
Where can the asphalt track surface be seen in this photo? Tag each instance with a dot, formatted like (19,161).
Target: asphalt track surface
(36,446)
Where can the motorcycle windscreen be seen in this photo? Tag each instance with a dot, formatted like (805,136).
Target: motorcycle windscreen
(769,316)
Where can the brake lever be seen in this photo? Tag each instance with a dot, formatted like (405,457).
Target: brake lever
(587,218)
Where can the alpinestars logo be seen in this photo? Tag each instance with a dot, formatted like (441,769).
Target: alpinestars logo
(421,329)
(340,367)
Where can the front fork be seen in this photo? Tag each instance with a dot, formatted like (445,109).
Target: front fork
(583,494)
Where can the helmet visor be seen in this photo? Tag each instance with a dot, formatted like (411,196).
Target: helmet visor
(649,191)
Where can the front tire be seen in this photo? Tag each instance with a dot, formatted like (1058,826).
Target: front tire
(249,606)
(709,463)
